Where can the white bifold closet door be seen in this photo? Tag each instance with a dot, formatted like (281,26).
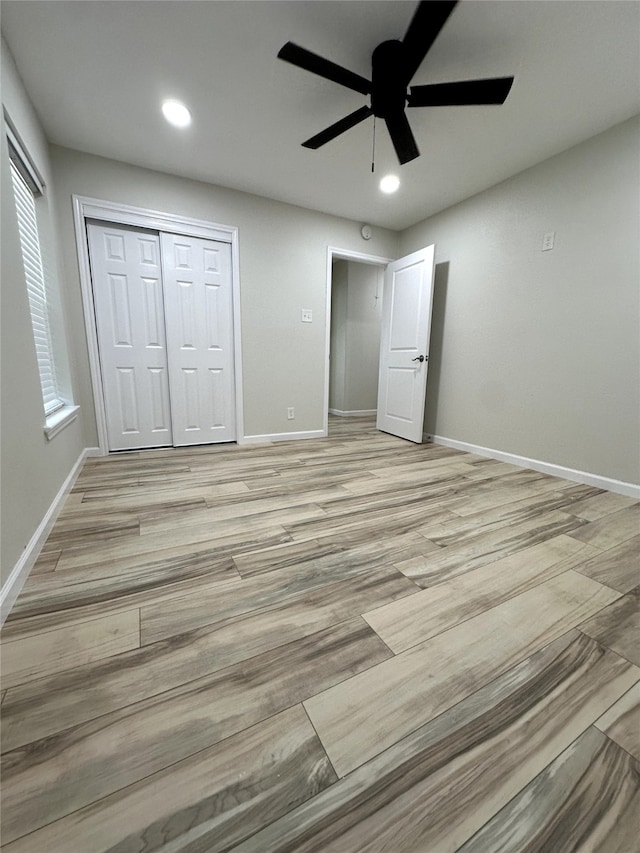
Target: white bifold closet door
(164,318)
(129,305)
(199,321)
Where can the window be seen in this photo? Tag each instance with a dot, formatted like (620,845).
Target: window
(27,189)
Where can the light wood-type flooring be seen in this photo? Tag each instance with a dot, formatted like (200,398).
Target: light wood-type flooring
(347,644)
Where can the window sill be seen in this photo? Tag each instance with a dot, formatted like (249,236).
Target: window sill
(56,422)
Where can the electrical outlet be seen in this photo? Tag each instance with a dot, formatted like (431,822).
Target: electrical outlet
(291,413)
(307,315)
(548,240)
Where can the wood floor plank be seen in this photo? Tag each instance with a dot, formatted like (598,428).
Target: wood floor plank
(73,499)
(287,483)
(147,505)
(97,526)
(181,570)
(56,776)
(65,648)
(601,505)
(120,577)
(138,507)
(361,526)
(373,458)
(359,718)
(172,484)
(611,530)
(284,556)
(209,801)
(225,462)
(501,495)
(461,529)
(244,508)
(483,468)
(335,586)
(82,555)
(621,722)
(243,628)
(420,495)
(435,788)
(139,498)
(619,567)
(618,626)
(79,595)
(284,491)
(46,562)
(566,808)
(412,620)
(453,560)
(407,468)
(30,624)
(324,556)
(439,475)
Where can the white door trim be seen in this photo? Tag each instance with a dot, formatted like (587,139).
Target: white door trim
(91,208)
(333,253)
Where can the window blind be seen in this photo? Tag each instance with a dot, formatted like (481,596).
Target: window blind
(36,288)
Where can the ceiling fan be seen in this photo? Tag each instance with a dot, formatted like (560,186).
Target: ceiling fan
(393,64)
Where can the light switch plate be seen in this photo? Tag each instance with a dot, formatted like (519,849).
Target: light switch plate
(307,315)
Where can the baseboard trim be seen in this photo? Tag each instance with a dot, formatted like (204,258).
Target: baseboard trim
(20,571)
(356,413)
(631,490)
(282,436)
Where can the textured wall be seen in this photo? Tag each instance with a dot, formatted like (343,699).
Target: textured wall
(283,268)
(537,353)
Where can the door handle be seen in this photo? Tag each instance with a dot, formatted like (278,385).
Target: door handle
(420,358)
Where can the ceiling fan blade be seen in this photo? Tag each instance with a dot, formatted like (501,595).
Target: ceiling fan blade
(429,18)
(402,137)
(339,127)
(303,58)
(491,91)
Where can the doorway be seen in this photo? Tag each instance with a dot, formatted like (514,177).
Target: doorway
(405,329)
(354,310)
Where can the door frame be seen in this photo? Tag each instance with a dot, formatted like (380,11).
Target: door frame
(334,253)
(123,214)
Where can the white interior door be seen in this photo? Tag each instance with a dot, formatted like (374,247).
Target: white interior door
(404,347)
(127,286)
(199,321)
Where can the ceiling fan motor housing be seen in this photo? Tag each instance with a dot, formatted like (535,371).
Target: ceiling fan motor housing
(388,79)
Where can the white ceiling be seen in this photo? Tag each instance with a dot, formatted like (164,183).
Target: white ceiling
(97,71)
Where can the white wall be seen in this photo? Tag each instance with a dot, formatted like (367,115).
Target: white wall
(537,353)
(283,268)
(33,469)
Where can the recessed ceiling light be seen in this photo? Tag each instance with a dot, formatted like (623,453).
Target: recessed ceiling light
(390,183)
(176,113)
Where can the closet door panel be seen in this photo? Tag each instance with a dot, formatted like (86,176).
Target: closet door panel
(199,326)
(129,306)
